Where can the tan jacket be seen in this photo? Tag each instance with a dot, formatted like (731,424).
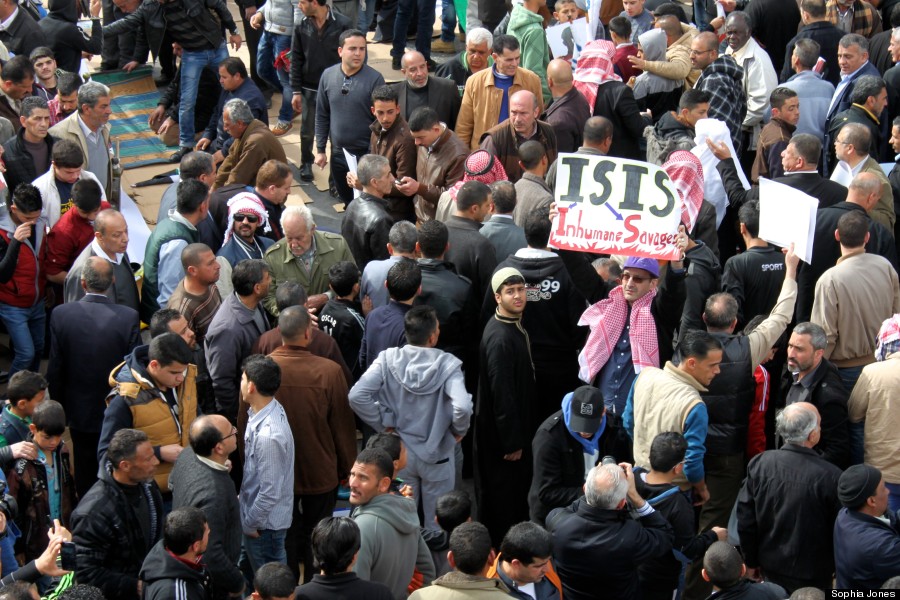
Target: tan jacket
(853,298)
(69,129)
(871,401)
(481,101)
(437,169)
(247,155)
(883,211)
(678,60)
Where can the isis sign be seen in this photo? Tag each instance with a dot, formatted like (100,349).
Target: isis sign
(615,206)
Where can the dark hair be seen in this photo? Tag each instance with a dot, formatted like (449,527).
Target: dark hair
(124,445)
(274,580)
(190,256)
(86,195)
(670,8)
(620,26)
(39,53)
(597,129)
(807,51)
(290,293)
(293,322)
(159,322)
(756,322)
(67,154)
(17,69)
(26,198)
(386,93)
(723,565)
(471,193)
(537,228)
(49,417)
(17,591)
(531,153)
(247,274)
(184,526)
(423,118)
(342,277)
(808,146)
(720,311)
(25,385)
(695,344)
(195,164)
(852,228)
(387,442)
(667,450)
(190,194)
(404,280)
(433,237)
(379,459)
(866,87)
(68,83)
(453,509)
(349,34)
(503,194)
(748,214)
(744,18)
(403,236)
(234,66)
(419,324)
(272,172)
(815,8)
(335,541)
(525,542)
(503,43)
(670,24)
(30,103)
(169,348)
(470,544)
(97,274)
(81,591)
(691,98)
(203,436)
(263,372)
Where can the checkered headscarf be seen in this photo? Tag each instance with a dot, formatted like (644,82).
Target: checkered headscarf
(595,67)
(888,340)
(245,202)
(481,166)
(686,172)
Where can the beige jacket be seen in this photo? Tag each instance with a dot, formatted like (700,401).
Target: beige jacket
(69,129)
(678,60)
(871,401)
(853,298)
(883,211)
(481,101)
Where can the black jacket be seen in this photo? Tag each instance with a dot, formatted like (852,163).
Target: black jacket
(65,38)
(453,299)
(108,538)
(616,102)
(558,468)
(598,549)
(828,394)
(342,585)
(894,178)
(23,35)
(828,36)
(167,578)
(366,226)
(774,24)
(149,27)
(703,280)
(443,97)
(19,163)
(470,252)
(344,321)
(786,511)
(866,549)
(754,277)
(880,132)
(667,309)
(748,590)
(828,192)
(313,51)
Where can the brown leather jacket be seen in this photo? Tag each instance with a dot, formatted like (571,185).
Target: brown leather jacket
(438,168)
(397,145)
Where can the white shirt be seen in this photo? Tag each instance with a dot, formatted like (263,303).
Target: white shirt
(844,174)
(844,82)
(4,25)
(117,259)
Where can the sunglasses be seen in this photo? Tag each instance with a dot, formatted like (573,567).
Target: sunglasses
(345,87)
(249,218)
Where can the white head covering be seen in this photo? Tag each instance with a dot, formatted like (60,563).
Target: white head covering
(245,202)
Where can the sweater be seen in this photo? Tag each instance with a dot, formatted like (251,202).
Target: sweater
(351,130)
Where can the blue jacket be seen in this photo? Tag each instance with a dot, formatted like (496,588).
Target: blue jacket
(384,329)
(866,550)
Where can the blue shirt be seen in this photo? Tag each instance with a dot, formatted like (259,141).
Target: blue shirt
(617,375)
(373,278)
(267,492)
(503,83)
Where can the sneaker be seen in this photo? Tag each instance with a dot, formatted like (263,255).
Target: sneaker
(395,63)
(176,158)
(443,47)
(281,128)
(306,173)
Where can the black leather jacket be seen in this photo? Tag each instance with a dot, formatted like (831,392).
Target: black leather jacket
(366,227)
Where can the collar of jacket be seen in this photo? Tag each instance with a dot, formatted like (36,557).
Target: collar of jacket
(683,377)
(868,112)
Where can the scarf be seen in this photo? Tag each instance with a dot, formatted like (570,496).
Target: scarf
(888,340)
(481,166)
(591,445)
(653,45)
(607,320)
(246,202)
(595,67)
(686,172)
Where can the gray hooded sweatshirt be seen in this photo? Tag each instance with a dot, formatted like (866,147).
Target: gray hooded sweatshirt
(390,544)
(421,393)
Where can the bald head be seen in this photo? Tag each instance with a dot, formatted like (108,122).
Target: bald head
(559,77)
(111,231)
(206,433)
(704,50)
(414,67)
(865,190)
(523,112)
(708,40)
(96,275)
(524,98)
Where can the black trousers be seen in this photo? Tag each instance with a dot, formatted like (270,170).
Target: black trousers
(308,511)
(84,446)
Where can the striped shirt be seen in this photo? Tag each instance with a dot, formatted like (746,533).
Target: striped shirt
(198,311)
(267,492)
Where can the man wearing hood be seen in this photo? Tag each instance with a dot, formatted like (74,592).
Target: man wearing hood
(172,569)
(391,545)
(419,391)
(65,37)
(653,92)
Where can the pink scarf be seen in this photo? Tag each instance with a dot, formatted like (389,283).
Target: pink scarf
(481,166)
(607,320)
(595,67)
(686,172)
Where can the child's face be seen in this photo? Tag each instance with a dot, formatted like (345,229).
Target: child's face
(26,407)
(47,443)
(566,12)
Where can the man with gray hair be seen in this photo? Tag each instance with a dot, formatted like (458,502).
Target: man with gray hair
(304,255)
(814,91)
(253,145)
(366,223)
(787,506)
(89,127)
(402,239)
(476,57)
(596,546)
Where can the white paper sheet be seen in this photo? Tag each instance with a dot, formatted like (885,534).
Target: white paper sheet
(594,18)
(351,167)
(138,232)
(580,32)
(557,41)
(787,215)
(714,191)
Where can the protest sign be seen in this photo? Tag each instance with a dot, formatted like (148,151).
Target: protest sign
(615,206)
(787,216)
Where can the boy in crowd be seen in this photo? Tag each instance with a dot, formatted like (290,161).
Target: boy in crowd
(342,316)
(25,391)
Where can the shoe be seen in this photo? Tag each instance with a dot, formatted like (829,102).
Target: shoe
(432,66)
(306,173)
(176,158)
(395,63)
(332,191)
(163,81)
(443,47)
(281,128)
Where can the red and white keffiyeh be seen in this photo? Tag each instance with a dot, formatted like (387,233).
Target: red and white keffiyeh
(686,172)
(607,320)
(595,67)
(245,202)
(888,340)
(481,166)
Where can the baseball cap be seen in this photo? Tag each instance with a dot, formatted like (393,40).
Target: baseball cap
(587,410)
(648,264)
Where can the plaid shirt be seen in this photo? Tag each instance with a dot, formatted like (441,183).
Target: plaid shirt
(866,18)
(722,80)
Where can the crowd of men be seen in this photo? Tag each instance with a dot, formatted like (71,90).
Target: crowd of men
(715,425)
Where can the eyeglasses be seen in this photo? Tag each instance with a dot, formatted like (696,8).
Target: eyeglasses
(699,52)
(345,87)
(234,431)
(238,218)
(843,143)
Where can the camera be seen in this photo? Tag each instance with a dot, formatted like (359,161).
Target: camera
(8,505)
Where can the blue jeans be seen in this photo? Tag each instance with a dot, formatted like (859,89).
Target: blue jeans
(366,16)
(268,547)
(894,497)
(701,19)
(423,32)
(270,46)
(192,63)
(26,332)
(448,20)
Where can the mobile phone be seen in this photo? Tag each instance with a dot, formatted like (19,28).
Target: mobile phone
(67,556)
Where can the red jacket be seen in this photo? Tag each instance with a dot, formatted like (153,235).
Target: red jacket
(71,234)
(756,432)
(26,286)
(625,68)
